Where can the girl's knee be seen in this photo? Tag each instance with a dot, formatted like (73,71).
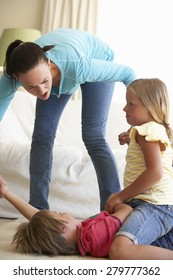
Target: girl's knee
(119,247)
(116,249)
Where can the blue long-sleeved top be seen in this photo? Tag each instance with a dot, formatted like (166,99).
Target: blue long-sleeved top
(80,56)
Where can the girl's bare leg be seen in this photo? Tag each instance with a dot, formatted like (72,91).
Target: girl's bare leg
(123,248)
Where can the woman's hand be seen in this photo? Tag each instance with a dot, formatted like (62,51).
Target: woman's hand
(3,187)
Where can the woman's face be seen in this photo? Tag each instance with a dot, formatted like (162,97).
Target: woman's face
(38,81)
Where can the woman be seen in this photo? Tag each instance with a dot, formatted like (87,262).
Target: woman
(52,68)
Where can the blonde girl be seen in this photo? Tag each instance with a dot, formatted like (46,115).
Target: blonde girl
(148,178)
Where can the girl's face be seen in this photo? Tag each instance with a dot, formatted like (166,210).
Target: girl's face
(37,81)
(136,112)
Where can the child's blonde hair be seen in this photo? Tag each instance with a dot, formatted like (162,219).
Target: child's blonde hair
(43,235)
(154,95)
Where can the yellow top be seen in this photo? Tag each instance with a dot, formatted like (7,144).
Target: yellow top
(162,192)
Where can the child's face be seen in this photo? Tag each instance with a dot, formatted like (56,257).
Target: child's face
(136,112)
(66,217)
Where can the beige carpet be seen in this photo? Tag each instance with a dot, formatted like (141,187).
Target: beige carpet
(7,252)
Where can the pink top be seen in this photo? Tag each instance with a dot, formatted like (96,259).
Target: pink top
(95,234)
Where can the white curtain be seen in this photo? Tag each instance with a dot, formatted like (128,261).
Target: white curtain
(80,14)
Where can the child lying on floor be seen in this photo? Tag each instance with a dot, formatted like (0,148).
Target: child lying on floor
(49,232)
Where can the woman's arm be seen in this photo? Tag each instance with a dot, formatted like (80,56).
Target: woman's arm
(22,206)
(7,91)
(93,70)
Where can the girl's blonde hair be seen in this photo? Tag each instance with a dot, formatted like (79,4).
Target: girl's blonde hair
(154,95)
(43,235)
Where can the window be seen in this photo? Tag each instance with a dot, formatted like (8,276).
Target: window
(140,32)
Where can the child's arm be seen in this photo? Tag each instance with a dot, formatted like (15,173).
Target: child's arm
(22,206)
(3,187)
(122,211)
(152,174)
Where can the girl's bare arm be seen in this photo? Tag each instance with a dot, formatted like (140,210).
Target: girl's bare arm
(152,174)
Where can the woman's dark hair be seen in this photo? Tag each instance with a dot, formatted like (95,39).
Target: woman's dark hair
(22,57)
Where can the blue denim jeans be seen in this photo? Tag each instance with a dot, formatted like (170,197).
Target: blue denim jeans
(148,222)
(96,100)
(165,241)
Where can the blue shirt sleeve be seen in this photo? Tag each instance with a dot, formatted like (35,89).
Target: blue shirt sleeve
(91,70)
(7,91)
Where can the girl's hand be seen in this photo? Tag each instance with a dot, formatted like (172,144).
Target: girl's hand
(112,201)
(124,138)
(3,187)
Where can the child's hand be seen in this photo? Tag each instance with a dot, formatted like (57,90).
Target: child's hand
(124,138)
(112,201)
(3,187)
